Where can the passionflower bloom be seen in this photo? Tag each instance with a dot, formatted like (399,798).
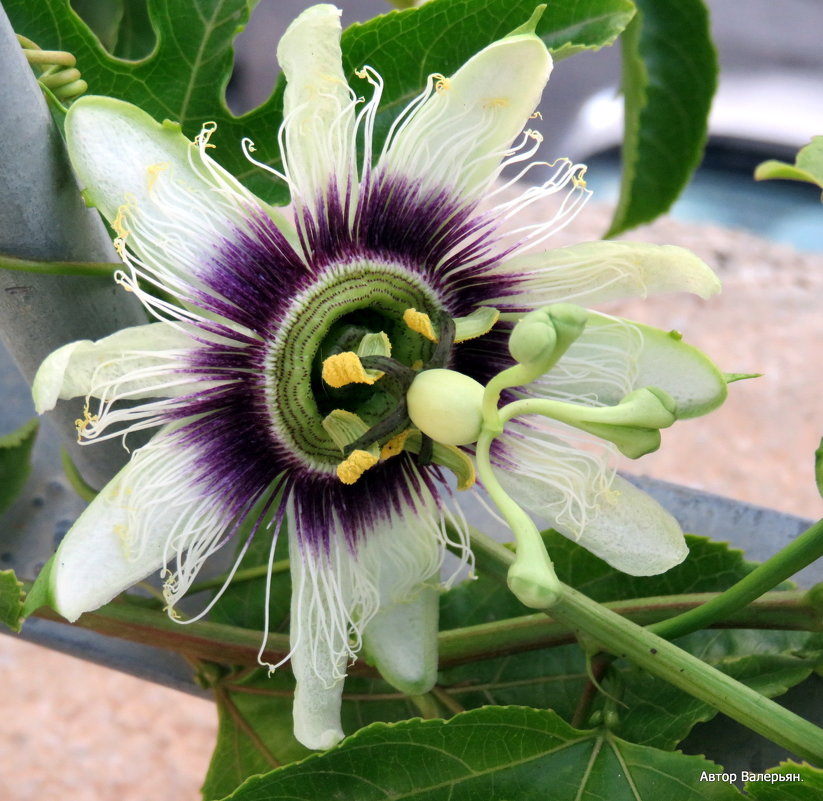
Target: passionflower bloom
(308,371)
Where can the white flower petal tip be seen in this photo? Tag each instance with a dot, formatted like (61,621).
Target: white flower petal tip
(695,383)
(465,128)
(49,380)
(596,272)
(92,564)
(137,362)
(633,532)
(401,641)
(318,105)
(316,713)
(113,147)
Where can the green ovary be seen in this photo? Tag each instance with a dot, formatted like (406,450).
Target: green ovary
(346,301)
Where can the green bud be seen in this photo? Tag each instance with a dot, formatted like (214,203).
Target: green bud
(532,337)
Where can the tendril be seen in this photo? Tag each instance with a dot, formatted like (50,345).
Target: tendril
(56,70)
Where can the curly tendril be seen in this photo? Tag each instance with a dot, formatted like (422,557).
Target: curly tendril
(56,70)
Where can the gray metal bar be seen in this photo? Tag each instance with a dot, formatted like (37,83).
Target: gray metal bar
(42,216)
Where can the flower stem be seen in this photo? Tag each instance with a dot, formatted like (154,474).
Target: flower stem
(659,657)
(801,552)
(531,575)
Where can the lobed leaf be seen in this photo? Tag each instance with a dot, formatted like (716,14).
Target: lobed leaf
(497,754)
(809,786)
(184,77)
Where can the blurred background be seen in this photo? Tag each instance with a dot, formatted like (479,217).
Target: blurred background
(72,727)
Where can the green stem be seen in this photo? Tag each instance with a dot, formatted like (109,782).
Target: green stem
(686,672)
(244,574)
(531,575)
(801,552)
(784,611)
(427,706)
(87,268)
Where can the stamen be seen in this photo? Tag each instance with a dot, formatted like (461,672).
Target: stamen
(396,445)
(447,456)
(350,470)
(346,368)
(420,323)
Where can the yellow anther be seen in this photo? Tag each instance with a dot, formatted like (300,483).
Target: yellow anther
(417,365)
(202,139)
(82,423)
(346,368)
(578,180)
(536,116)
(357,463)
(496,102)
(395,445)
(420,323)
(154,172)
(441,84)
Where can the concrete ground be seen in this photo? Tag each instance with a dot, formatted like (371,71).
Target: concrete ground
(75,730)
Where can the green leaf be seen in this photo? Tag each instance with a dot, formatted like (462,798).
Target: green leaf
(669,78)
(254,731)
(255,723)
(808,166)
(11,600)
(656,713)
(15,461)
(185,76)
(78,483)
(770,662)
(497,754)
(801,783)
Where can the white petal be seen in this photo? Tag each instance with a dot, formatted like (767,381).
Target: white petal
(614,356)
(459,136)
(167,199)
(149,513)
(557,473)
(318,106)
(595,272)
(390,580)
(321,602)
(401,640)
(633,532)
(577,492)
(138,362)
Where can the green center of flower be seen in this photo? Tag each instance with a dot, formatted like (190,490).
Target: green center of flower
(349,304)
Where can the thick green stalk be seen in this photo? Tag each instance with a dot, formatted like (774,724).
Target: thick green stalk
(686,672)
(659,657)
(789,610)
(801,552)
